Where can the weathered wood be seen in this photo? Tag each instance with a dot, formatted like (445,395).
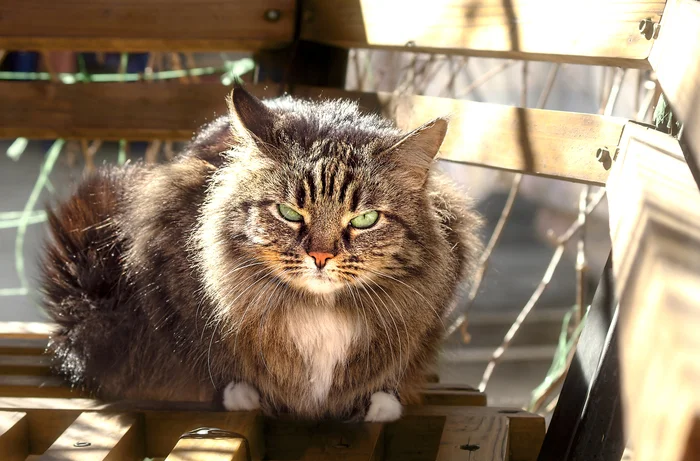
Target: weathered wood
(540,142)
(26,330)
(219,449)
(346,442)
(147,25)
(14,436)
(452,394)
(35,386)
(675,57)
(525,430)
(27,365)
(21,346)
(655,231)
(164,429)
(99,437)
(602,32)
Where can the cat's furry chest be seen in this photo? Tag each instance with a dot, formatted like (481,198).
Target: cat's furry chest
(323,337)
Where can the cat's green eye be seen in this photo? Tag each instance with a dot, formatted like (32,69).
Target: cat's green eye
(289,214)
(365,221)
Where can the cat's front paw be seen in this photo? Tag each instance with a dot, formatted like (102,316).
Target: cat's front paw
(383,408)
(241,397)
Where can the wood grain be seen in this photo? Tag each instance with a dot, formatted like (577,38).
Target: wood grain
(99,437)
(675,57)
(346,442)
(147,25)
(540,142)
(164,429)
(14,436)
(598,32)
(220,449)
(655,231)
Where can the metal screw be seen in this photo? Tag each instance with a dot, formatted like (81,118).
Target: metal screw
(82,444)
(646,28)
(655,31)
(273,15)
(410,43)
(602,155)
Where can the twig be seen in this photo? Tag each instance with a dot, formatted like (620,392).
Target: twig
(89,152)
(551,78)
(486,77)
(498,353)
(581,264)
(553,263)
(461,321)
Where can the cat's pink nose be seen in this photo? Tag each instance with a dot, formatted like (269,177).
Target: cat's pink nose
(320,258)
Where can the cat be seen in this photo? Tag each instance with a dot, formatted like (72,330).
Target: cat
(298,256)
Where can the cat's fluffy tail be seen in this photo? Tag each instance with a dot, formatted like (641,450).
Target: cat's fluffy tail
(82,274)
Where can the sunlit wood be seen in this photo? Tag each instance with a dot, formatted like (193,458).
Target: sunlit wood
(591,32)
(655,230)
(146,25)
(676,60)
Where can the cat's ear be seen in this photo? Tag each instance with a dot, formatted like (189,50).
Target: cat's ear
(416,151)
(250,118)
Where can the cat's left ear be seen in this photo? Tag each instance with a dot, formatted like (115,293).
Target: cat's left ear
(416,151)
(250,118)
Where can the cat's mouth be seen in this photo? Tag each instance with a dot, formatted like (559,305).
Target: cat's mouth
(320,282)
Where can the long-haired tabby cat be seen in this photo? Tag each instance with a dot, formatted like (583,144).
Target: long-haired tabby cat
(298,257)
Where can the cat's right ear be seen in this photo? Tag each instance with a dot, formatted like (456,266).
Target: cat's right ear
(250,118)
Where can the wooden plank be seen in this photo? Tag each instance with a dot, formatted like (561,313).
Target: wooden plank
(675,57)
(99,437)
(147,25)
(28,365)
(164,428)
(346,442)
(35,386)
(525,430)
(452,394)
(219,449)
(598,32)
(654,207)
(21,346)
(26,330)
(540,142)
(14,436)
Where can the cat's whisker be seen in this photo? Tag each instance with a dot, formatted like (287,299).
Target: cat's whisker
(428,303)
(396,328)
(381,317)
(405,327)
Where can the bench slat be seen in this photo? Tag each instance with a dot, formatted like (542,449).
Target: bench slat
(14,435)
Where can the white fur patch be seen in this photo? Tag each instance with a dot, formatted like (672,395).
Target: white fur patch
(322,336)
(241,397)
(383,408)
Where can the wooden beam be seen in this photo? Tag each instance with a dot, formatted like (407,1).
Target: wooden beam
(540,142)
(147,25)
(14,436)
(165,428)
(99,437)
(216,449)
(600,32)
(346,442)
(675,57)
(654,206)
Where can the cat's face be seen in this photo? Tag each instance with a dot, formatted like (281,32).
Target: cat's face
(326,214)
(329,226)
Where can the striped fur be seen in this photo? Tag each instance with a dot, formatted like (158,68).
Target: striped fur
(182,280)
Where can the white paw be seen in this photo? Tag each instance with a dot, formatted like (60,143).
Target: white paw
(240,397)
(383,408)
